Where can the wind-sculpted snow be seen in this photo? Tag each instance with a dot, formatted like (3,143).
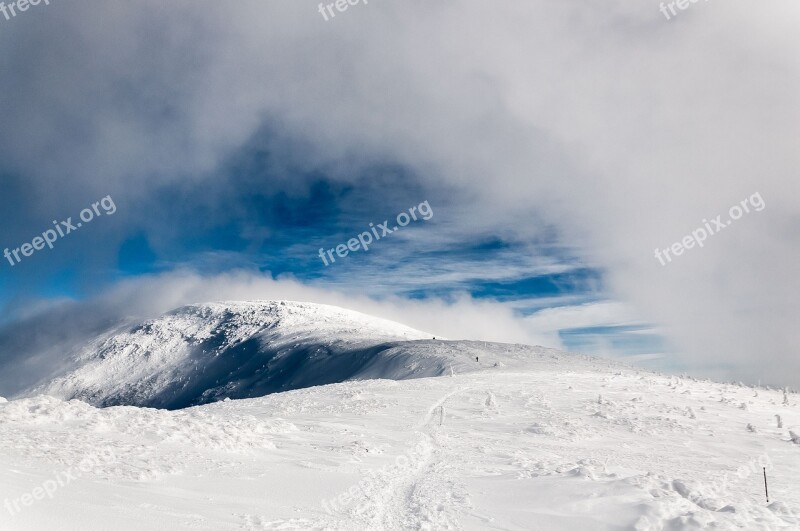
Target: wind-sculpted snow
(205,353)
(519,438)
(561,444)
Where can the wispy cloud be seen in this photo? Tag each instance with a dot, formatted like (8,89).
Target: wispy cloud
(597,128)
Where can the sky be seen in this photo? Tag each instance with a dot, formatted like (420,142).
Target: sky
(557,145)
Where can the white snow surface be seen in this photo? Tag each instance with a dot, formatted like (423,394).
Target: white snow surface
(207,352)
(525,438)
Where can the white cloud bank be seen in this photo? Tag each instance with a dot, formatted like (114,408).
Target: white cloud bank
(622,129)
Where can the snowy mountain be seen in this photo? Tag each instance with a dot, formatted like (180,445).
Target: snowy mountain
(207,352)
(524,438)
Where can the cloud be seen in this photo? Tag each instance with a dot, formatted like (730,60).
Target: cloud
(620,129)
(606,313)
(463,319)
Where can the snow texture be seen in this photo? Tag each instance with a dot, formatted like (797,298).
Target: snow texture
(529,438)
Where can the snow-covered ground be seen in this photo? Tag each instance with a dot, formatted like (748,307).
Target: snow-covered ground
(206,352)
(524,438)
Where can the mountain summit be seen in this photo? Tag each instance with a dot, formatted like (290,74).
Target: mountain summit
(208,352)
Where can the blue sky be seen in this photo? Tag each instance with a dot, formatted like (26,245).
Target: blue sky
(273,220)
(557,151)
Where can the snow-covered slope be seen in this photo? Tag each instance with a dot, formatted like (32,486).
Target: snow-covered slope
(524,438)
(565,444)
(208,352)
(205,352)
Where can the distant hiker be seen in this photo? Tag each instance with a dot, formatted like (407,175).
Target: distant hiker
(476,359)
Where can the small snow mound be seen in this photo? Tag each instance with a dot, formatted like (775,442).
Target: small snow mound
(540,429)
(701,496)
(491,400)
(582,471)
(691,520)
(781,509)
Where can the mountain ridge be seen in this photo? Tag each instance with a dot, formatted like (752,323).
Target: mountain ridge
(203,353)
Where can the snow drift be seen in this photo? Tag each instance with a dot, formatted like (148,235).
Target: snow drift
(521,438)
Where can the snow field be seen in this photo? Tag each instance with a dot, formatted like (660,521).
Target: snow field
(562,445)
